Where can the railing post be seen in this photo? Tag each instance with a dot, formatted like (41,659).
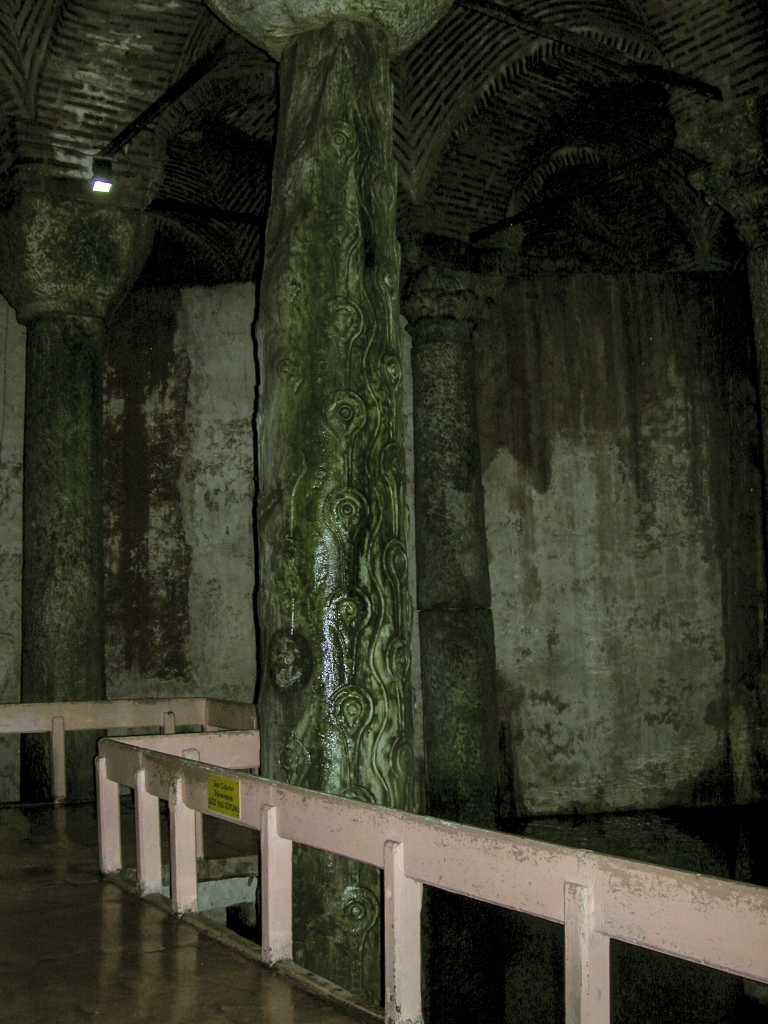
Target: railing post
(402,940)
(276,890)
(149,868)
(587,960)
(194,755)
(108,813)
(169,723)
(183,860)
(58,759)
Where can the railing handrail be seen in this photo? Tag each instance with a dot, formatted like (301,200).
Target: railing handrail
(126,713)
(165,713)
(717,922)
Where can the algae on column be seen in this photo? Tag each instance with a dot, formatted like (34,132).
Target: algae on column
(334,607)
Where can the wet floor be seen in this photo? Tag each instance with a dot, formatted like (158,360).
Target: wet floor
(77,948)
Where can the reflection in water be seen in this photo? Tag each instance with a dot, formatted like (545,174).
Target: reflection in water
(646,987)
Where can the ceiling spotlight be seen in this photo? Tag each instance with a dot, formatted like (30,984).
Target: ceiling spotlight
(102,175)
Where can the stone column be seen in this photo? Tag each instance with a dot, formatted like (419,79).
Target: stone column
(64,264)
(749,732)
(462,939)
(334,609)
(458,661)
(333,606)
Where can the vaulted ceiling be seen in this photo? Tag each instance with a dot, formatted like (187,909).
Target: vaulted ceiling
(552,117)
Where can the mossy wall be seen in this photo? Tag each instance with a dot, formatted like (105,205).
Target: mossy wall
(179,377)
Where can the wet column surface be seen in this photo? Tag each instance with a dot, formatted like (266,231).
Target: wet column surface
(82,949)
(458,663)
(63,577)
(334,605)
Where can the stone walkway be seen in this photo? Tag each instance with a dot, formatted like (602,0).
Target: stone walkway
(77,948)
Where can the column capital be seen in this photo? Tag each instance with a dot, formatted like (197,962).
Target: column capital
(71,257)
(272,24)
(729,140)
(443,299)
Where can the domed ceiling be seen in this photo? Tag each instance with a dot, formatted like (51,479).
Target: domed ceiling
(602,135)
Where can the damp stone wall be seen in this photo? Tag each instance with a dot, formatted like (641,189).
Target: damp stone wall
(179,390)
(179,488)
(620,463)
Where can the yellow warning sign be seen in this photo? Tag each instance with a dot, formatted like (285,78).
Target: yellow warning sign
(224,795)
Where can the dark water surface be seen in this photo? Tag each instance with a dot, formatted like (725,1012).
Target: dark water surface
(646,987)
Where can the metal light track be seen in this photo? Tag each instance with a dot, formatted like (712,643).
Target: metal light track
(204,212)
(207,63)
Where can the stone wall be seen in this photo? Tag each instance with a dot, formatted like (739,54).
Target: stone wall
(12,351)
(178,484)
(623,511)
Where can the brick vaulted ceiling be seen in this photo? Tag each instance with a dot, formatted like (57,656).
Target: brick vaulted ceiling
(607,169)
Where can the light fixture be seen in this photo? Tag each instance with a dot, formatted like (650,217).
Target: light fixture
(102,175)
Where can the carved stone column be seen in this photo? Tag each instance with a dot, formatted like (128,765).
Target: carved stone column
(334,609)
(64,263)
(333,606)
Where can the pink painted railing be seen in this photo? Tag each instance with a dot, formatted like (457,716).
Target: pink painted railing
(711,921)
(58,718)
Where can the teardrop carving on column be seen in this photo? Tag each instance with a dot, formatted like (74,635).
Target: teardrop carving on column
(348,615)
(295,761)
(346,509)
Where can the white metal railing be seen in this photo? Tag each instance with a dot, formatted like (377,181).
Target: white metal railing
(60,717)
(711,921)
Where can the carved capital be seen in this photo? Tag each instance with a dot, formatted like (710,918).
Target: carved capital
(69,256)
(441,297)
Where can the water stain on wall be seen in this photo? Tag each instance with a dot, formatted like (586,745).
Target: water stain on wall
(618,430)
(147,557)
